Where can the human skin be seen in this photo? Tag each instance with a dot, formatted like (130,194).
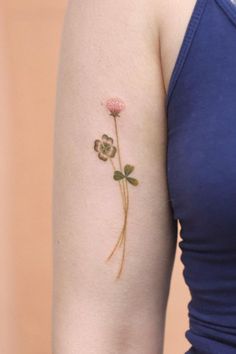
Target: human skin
(124,50)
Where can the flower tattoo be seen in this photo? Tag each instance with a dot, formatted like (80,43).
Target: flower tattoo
(107,152)
(115,106)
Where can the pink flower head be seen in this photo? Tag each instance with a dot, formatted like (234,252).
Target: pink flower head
(115,105)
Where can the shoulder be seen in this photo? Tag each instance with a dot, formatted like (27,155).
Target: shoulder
(160,24)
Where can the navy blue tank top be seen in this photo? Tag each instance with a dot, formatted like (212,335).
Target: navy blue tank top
(201,172)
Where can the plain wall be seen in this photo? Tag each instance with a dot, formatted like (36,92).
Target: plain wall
(30,40)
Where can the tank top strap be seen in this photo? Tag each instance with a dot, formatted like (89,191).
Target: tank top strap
(185,46)
(229,7)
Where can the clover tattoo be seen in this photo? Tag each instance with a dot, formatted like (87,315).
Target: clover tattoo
(107,151)
(105,147)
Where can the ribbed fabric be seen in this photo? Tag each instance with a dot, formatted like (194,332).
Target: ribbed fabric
(201,172)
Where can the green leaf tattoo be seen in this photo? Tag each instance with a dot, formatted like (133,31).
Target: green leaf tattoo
(118,175)
(133,181)
(107,151)
(128,169)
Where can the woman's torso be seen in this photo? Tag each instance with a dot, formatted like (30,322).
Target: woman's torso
(199,71)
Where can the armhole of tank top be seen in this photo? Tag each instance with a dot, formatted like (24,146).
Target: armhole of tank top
(229,8)
(185,46)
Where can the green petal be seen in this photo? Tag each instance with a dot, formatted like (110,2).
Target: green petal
(128,169)
(133,181)
(118,175)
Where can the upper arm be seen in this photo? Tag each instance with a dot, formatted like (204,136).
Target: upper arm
(110,49)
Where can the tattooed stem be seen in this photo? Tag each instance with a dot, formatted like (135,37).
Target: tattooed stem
(121,189)
(117,244)
(125,195)
(118,151)
(121,237)
(118,144)
(123,240)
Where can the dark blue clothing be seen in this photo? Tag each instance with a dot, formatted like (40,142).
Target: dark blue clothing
(201,172)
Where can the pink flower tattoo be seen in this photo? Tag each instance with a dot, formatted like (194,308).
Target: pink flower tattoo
(115,105)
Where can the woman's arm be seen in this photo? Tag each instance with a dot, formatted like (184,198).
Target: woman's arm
(107,302)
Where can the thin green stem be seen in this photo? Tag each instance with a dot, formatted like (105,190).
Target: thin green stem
(116,245)
(124,233)
(121,237)
(118,144)
(123,195)
(118,150)
(125,198)
(121,189)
